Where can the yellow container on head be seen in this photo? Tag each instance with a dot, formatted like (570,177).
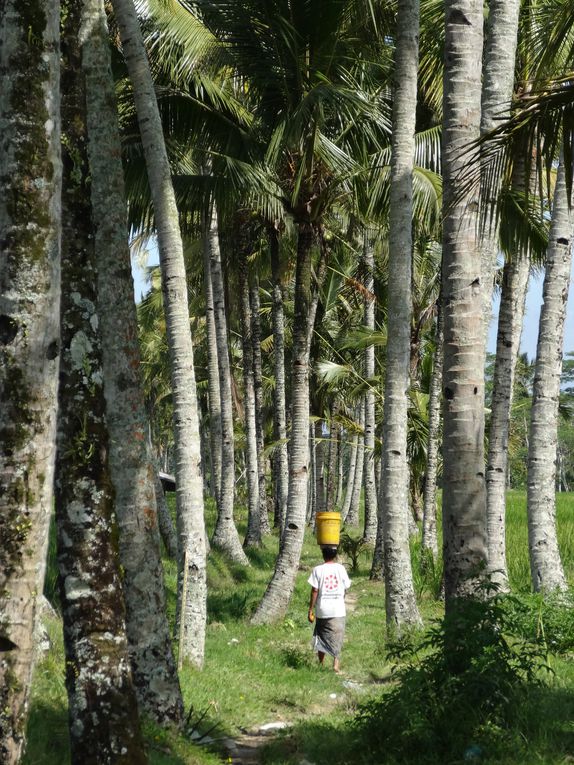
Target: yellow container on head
(328,527)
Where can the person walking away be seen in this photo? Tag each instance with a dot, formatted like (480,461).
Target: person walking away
(329,582)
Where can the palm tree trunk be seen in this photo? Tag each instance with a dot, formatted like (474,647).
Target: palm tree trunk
(340,467)
(280,461)
(225,536)
(352,517)
(497,88)
(350,477)
(189,482)
(258,391)
(253,537)
(334,428)
(166,527)
(371,507)
(464,507)
(102,704)
(312,492)
(131,463)
(400,601)
(319,468)
(30,168)
(210,240)
(429,535)
(278,594)
(510,320)
(545,564)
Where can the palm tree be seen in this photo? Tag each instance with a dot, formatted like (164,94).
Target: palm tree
(400,602)
(545,564)
(131,463)
(30,168)
(189,494)
(88,560)
(464,511)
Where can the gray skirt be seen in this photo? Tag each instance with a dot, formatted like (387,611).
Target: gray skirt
(328,635)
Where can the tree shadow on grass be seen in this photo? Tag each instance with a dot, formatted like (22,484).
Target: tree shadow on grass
(47,735)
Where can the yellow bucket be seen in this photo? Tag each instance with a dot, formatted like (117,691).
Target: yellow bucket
(328,527)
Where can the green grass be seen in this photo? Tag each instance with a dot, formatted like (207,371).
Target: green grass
(259,674)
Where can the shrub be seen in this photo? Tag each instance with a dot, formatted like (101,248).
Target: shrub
(458,689)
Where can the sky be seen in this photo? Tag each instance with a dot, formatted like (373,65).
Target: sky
(529,334)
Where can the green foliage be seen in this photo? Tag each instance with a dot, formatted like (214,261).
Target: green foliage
(353,548)
(457,690)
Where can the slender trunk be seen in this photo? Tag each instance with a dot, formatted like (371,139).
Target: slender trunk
(371,509)
(352,517)
(278,594)
(340,467)
(510,319)
(253,537)
(225,536)
(545,564)
(400,601)
(189,482)
(429,535)
(319,468)
(30,168)
(350,477)
(102,704)
(334,428)
(258,391)
(497,87)
(312,492)
(464,507)
(131,463)
(280,462)
(211,240)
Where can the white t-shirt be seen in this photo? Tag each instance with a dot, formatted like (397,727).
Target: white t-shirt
(331,580)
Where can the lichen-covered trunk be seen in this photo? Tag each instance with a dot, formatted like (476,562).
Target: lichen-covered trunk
(354,451)
(319,468)
(280,459)
(510,320)
(464,506)
(279,590)
(189,482)
(210,240)
(371,504)
(165,522)
(30,177)
(430,535)
(102,705)
(499,58)
(131,461)
(545,563)
(225,536)
(253,536)
(258,391)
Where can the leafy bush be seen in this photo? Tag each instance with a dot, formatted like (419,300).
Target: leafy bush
(458,692)
(354,547)
(547,620)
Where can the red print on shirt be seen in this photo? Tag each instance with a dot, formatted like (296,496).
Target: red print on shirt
(331,582)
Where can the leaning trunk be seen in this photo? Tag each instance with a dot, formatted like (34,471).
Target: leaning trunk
(545,564)
(464,508)
(280,588)
(30,169)
(189,482)
(131,463)
(280,459)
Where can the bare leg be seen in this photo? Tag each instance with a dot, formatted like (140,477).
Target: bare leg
(336,665)
(321,656)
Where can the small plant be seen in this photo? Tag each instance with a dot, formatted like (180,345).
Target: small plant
(353,547)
